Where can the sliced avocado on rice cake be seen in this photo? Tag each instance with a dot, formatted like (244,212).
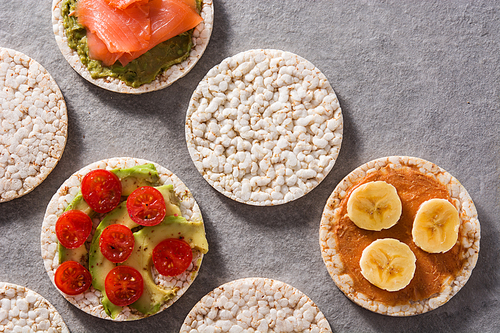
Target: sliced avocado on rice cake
(145,241)
(130,178)
(183,219)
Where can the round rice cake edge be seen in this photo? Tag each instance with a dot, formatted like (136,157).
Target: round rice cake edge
(34,124)
(89,301)
(201,37)
(257,290)
(31,303)
(469,236)
(326,143)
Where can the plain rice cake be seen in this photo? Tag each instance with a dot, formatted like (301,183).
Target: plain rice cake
(23,310)
(34,124)
(255,305)
(264,127)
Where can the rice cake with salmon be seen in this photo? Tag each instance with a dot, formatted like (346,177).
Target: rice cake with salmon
(125,59)
(437,276)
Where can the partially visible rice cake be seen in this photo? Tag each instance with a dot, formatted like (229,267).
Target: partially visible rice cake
(255,305)
(23,310)
(34,124)
(90,301)
(201,37)
(264,127)
(341,243)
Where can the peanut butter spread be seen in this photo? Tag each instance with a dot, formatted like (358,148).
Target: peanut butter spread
(432,270)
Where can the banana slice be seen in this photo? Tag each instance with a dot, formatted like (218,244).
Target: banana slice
(388,264)
(374,206)
(435,228)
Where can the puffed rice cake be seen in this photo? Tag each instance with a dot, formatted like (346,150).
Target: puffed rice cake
(23,310)
(201,37)
(255,305)
(469,236)
(90,301)
(264,127)
(34,124)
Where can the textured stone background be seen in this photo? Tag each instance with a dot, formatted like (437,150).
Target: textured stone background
(418,78)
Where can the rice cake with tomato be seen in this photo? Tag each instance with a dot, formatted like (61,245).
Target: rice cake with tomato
(200,38)
(438,276)
(90,300)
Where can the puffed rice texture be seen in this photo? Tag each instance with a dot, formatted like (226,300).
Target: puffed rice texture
(33,121)
(24,311)
(264,127)
(255,305)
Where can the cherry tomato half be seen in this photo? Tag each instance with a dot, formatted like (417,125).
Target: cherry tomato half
(172,257)
(73,228)
(72,278)
(102,190)
(124,285)
(146,206)
(116,243)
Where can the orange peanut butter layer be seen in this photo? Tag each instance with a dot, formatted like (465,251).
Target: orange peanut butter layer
(438,276)
(432,270)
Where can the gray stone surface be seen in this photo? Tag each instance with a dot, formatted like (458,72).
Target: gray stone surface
(418,78)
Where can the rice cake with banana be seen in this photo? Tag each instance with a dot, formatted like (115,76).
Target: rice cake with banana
(411,266)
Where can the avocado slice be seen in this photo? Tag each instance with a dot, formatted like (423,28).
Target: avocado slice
(137,176)
(131,179)
(174,225)
(79,254)
(141,258)
(79,204)
(99,266)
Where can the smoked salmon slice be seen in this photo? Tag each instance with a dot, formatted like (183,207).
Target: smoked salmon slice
(169,18)
(122,4)
(125,34)
(121,30)
(190,3)
(99,51)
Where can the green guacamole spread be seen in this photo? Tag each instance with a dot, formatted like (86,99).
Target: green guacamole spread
(139,71)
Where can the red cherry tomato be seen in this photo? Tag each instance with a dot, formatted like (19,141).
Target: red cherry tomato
(72,278)
(73,228)
(116,243)
(102,190)
(146,206)
(172,257)
(124,285)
